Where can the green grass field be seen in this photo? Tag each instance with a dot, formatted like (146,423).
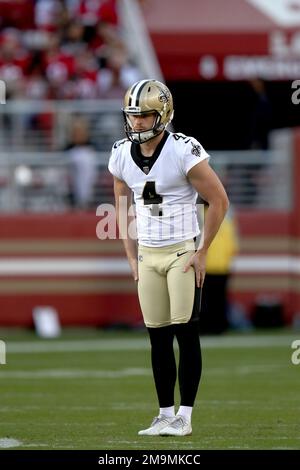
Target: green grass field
(94,390)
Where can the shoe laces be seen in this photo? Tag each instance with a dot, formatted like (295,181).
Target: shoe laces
(159,419)
(178,422)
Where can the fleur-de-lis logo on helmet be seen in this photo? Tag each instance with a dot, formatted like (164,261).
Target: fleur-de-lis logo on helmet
(164,96)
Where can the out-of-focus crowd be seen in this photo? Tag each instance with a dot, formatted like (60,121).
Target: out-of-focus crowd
(63,49)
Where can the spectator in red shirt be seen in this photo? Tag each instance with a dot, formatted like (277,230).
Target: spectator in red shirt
(14,62)
(17,14)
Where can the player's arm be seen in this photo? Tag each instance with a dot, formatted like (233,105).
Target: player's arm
(207,184)
(123,201)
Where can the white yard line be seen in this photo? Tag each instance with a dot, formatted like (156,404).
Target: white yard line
(133,344)
(129,372)
(73,374)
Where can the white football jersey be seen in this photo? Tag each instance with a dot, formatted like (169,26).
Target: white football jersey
(165,200)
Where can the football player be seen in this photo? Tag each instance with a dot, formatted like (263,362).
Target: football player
(166,171)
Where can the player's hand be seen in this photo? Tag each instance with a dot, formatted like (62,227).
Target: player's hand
(198,261)
(134,268)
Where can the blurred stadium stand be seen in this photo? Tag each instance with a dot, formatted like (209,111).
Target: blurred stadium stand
(29,182)
(43,126)
(64,59)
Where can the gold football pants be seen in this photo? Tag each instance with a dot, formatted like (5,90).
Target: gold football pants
(167,295)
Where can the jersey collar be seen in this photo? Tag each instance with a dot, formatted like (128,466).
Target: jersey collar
(146,163)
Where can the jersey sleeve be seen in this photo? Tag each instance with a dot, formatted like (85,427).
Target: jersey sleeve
(114,162)
(193,153)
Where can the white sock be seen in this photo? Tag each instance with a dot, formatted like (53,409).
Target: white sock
(169,411)
(185,411)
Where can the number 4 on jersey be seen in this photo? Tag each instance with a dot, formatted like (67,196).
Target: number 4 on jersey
(151,197)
